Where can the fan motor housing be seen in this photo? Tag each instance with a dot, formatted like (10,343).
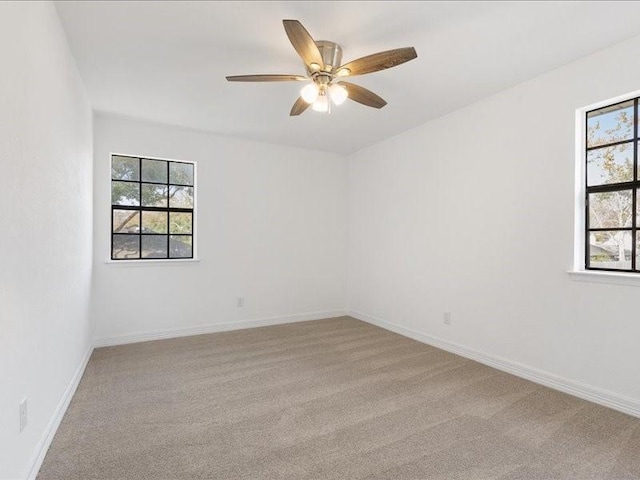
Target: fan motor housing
(331,55)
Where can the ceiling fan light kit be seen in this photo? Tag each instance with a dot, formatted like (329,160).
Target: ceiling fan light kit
(323,63)
(321,104)
(338,93)
(313,93)
(310,93)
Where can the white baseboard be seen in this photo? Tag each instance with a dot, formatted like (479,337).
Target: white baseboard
(47,436)
(577,389)
(214,328)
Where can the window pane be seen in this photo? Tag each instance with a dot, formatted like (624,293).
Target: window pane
(125,168)
(125,193)
(637,250)
(154,195)
(154,222)
(180,222)
(180,246)
(610,209)
(154,246)
(181,173)
(126,221)
(125,246)
(610,124)
(154,171)
(610,165)
(610,249)
(180,197)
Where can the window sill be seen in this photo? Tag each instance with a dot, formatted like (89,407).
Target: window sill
(614,278)
(150,263)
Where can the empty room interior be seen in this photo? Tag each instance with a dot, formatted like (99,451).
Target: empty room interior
(320,240)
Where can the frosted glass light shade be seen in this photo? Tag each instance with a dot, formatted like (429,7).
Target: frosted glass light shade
(338,93)
(309,93)
(321,104)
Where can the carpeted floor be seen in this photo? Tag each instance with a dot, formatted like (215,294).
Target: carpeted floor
(329,399)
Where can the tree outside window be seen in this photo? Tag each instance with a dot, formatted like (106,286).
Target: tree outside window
(152,208)
(611,187)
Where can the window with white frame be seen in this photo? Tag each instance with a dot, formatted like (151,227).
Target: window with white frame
(611,220)
(152,208)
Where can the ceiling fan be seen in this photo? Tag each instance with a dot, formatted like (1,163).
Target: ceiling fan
(322,60)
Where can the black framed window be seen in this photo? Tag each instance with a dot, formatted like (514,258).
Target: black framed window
(152,208)
(611,217)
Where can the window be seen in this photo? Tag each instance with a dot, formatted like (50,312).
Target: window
(152,208)
(611,217)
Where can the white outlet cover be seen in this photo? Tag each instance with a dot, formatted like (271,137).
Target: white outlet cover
(24,414)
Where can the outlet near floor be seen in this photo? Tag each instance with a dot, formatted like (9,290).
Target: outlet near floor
(23,414)
(446,318)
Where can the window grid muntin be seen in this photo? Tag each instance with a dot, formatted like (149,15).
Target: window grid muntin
(633,185)
(140,208)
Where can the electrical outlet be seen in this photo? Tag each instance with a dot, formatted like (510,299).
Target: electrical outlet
(240,302)
(446,318)
(23,414)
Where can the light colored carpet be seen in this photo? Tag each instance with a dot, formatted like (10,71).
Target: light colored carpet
(329,399)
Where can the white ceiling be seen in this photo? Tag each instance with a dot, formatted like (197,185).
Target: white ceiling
(167,61)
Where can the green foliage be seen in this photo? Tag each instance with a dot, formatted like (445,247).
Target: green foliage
(181,173)
(154,171)
(125,168)
(180,222)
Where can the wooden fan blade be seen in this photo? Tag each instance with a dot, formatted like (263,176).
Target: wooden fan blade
(298,107)
(265,78)
(362,95)
(378,61)
(303,43)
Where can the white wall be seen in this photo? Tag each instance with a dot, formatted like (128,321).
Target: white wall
(46,213)
(271,228)
(473,213)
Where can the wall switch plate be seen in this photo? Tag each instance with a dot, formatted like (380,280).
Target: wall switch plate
(446,318)
(240,302)
(23,414)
